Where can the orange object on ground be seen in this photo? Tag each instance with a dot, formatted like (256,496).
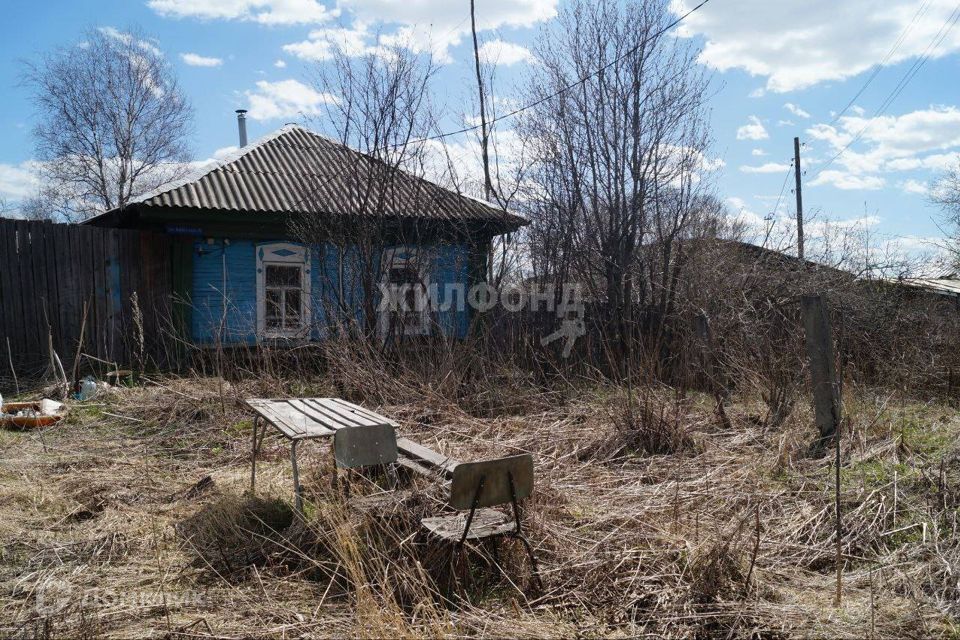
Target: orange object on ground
(48,412)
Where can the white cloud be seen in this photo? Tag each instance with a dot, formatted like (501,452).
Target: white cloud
(280,64)
(744,214)
(286,99)
(270,12)
(503,53)
(423,26)
(768,167)
(921,139)
(933,162)
(126,38)
(753,130)
(848,181)
(445,15)
(322,43)
(758,152)
(223,152)
(799,44)
(18,181)
(914,186)
(196,60)
(795,110)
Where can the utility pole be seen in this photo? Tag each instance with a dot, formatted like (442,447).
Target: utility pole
(796,173)
(484,139)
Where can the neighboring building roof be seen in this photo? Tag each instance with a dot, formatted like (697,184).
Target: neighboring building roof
(947,284)
(297,171)
(770,258)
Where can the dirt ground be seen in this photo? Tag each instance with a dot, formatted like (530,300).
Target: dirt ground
(110,529)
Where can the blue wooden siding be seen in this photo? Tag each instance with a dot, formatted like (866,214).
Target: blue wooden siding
(231,268)
(327,306)
(450,264)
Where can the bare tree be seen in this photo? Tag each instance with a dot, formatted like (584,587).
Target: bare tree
(112,122)
(618,138)
(502,177)
(383,111)
(946,194)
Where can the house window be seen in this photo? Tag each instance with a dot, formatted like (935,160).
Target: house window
(283,291)
(406,276)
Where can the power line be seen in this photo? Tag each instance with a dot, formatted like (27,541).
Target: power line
(914,69)
(783,187)
(886,58)
(566,88)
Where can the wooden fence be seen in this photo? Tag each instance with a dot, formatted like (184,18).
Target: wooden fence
(71,287)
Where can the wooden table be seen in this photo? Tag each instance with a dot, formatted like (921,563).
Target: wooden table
(311,418)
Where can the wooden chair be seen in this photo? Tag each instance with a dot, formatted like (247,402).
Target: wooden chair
(364,446)
(477,486)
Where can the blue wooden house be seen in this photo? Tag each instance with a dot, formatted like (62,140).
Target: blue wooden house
(244,270)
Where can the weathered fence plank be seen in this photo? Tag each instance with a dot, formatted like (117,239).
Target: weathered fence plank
(10,296)
(48,272)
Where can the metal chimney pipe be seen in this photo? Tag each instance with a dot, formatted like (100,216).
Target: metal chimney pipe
(242,126)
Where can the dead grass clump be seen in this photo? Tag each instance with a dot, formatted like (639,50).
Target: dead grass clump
(648,426)
(233,533)
(718,571)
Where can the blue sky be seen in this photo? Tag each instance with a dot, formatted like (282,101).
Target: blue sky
(779,69)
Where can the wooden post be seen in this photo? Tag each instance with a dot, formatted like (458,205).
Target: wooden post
(826,398)
(796,174)
(826,388)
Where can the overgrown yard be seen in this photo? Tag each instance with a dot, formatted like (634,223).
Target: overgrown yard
(648,517)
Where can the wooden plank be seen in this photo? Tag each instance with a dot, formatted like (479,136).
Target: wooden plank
(3,270)
(166,345)
(485,524)
(493,480)
(319,415)
(85,285)
(356,447)
(429,457)
(356,412)
(182,288)
(151,308)
(294,424)
(416,467)
(104,336)
(279,421)
(53,291)
(38,267)
(129,273)
(68,278)
(10,312)
(31,335)
(329,408)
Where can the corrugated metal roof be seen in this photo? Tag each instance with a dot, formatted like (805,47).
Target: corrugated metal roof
(297,171)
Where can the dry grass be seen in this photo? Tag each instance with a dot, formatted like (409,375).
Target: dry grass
(661,521)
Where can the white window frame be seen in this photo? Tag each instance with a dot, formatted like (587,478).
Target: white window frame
(402,257)
(283,254)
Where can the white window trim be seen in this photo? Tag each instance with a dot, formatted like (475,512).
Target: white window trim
(404,256)
(283,253)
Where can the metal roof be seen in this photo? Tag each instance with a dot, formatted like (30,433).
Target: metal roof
(948,285)
(296,171)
